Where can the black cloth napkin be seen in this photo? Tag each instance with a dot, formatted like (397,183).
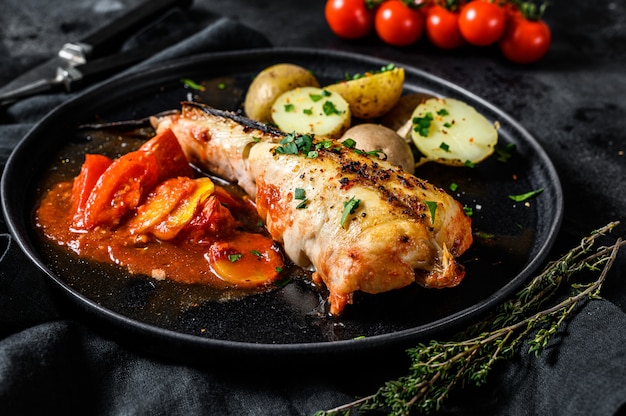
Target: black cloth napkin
(51,363)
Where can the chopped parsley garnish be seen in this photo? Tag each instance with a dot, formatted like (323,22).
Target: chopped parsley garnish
(317,97)
(256,253)
(443,112)
(329,108)
(289,108)
(192,84)
(386,68)
(454,186)
(221,86)
(349,208)
(300,195)
(444,146)
(432,208)
(234,257)
(292,144)
(469,164)
(526,196)
(468,211)
(505,152)
(349,143)
(372,153)
(308,111)
(422,124)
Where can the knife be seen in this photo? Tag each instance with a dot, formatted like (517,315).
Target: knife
(82,61)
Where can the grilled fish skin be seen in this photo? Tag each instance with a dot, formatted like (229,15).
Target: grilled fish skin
(360,223)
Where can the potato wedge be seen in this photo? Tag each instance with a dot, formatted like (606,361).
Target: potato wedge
(311,110)
(451,132)
(372,95)
(270,83)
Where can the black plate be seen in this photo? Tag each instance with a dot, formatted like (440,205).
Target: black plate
(176,319)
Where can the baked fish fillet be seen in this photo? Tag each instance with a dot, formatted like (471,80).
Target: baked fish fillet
(360,223)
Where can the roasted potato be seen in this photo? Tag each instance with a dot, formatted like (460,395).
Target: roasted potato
(270,83)
(311,110)
(369,137)
(451,132)
(373,94)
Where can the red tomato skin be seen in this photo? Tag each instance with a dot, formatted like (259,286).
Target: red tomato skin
(525,41)
(482,23)
(93,167)
(349,19)
(120,189)
(442,28)
(397,24)
(171,159)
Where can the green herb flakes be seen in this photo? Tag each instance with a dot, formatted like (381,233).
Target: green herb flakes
(349,208)
(189,83)
(330,109)
(234,257)
(349,143)
(505,152)
(432,208)
(300,195)
(422,124)
(526,196)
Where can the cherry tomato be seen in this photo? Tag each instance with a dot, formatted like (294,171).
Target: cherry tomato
(349,19)
(397,24)
(482,23)
(442,28)
(525,41)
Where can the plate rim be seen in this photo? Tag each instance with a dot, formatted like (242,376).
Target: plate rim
(350,345)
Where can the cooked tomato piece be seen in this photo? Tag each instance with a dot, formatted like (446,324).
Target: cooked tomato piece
(93,167)
(214,222)
(120,189)
(160,203)
(186,211)
(170,157)
(246,259)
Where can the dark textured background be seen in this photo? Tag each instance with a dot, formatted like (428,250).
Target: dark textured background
(572,101)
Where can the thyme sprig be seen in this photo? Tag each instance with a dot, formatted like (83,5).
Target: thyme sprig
(439,366)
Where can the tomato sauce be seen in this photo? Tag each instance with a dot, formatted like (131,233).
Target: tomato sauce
(204,235)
